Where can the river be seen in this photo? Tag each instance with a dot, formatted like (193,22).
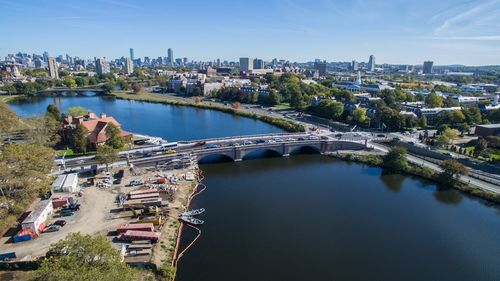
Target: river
(170,122)
(310,217)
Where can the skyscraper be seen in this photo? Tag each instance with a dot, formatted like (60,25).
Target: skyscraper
(132,54)
(102,66)
(321,67)
(354,65)
(129,66)
(371,63)
(53,73)
(170,57)
(258,64)
(45,56)
(246,64)
(428,67)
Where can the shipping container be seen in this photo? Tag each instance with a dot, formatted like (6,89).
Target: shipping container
(152,190)
(144,196)
(132,235)
(135,226)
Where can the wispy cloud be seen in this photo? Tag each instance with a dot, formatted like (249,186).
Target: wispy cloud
(469,17)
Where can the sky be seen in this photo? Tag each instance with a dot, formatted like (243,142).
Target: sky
(395,31)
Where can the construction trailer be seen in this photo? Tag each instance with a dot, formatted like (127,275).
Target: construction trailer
(66,183)
(35,221)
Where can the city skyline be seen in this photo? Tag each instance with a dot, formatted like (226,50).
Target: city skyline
(396,32)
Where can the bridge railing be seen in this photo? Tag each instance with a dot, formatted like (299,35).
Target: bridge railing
(245,137)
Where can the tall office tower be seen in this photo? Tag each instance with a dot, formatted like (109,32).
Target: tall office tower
(170,57)
(218,63)
(371,63)
(321,67)
(428,67)
(102,66)
(53,73)
(184,61)
(246,64)
(354,65)
(132,54)
(45,56)
(129,66)
(258,64)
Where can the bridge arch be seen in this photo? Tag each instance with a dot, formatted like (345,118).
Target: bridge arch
(215,157)
(261,153)
(305,149)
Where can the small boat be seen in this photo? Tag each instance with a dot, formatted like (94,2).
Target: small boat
(191,220)
(194,212)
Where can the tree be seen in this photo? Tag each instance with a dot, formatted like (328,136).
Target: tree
(480,147)
(452,169)
(70,82)
(463,128)
(329,109)
(53,112)
(79,138)
(433,100)
(447,136)
(108,87)
(359,115)
(106,155)
(76,111)
(273,98)
(136,87)
(84,257)
(395,159)
(113,134)
(422,122)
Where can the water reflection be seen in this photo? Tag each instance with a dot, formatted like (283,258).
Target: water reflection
(393,181)
(448,196)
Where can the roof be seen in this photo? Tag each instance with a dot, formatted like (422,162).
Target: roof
(37,211)
(490,126)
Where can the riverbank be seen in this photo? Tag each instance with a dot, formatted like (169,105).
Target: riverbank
(376,159)
(282,123)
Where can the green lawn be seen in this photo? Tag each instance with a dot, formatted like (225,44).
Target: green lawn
(71,153)
(282,106)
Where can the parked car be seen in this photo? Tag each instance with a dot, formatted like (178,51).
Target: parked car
(247,142)
(278,140)
(66,213)
(271,141)
(72,207)
(170,151)
(136,182)
(301,139)
(312,137)
(60,223)
(118,181)
(147,154)
(260,141)
(290,139)
(52,228)
(211,145)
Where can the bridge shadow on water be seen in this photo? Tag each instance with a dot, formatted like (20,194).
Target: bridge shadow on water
(219,158)
(257,154)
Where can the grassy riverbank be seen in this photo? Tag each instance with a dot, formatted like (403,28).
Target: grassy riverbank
(285,124)
(419,171)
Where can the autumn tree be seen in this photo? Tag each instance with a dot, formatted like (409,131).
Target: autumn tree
(79,138)
(84,257)
(106,155)
(113,134)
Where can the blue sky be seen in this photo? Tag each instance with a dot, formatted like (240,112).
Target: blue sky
(395,31)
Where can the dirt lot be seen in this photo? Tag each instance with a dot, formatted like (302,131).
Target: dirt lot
(100,215)
(93,218)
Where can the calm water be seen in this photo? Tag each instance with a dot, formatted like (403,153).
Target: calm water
(169,122)
(310,217)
